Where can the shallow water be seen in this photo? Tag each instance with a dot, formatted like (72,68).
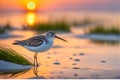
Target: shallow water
(78,58)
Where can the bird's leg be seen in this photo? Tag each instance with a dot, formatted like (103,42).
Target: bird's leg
(36,60)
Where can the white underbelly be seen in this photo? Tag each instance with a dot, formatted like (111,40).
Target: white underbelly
(44,47)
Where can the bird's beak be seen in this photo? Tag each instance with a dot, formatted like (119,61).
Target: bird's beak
(60,38)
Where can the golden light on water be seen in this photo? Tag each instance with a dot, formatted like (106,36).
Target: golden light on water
(31,18)
(31,6)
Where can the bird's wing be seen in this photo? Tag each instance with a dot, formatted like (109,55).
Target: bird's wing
(34,41)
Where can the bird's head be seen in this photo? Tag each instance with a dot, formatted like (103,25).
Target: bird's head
(52,35)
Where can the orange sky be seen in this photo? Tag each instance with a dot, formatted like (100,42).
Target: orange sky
(55,4)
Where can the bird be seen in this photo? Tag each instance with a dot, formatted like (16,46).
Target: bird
(39,43)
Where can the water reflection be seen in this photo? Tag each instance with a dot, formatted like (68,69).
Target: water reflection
(35,70)
(13,74)
(30,18)
(23,73)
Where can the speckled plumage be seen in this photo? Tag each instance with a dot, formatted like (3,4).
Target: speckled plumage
(33,41)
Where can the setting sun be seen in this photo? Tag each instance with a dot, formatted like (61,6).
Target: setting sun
(31,5)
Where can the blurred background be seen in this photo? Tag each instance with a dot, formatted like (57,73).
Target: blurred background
(92,28)
(21,13)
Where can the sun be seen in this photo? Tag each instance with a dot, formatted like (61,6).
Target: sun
(31,5)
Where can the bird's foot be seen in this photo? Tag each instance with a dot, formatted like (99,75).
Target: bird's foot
(37,65)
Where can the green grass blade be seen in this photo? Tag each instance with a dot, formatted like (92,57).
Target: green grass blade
(8,54)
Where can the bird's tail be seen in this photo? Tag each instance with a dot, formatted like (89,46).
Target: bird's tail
(16,42)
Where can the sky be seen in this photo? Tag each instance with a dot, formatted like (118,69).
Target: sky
(113,5)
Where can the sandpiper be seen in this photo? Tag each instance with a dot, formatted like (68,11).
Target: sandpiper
(40,43)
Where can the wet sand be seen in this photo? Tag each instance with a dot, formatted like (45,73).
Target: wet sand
(78,58)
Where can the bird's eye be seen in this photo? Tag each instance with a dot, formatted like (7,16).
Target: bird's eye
(52,34)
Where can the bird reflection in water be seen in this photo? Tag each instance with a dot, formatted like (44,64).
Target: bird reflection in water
(35,70)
